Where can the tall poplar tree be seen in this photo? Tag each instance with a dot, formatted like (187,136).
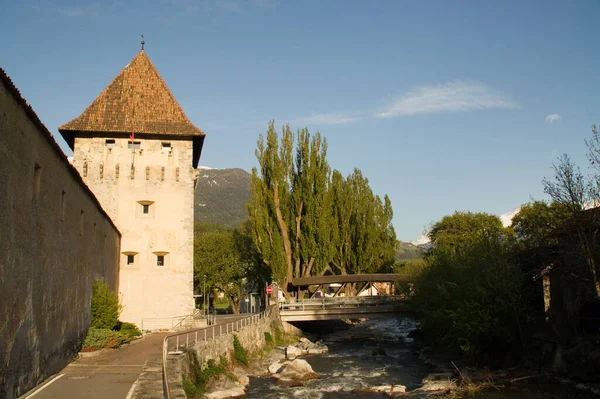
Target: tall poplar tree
(306,219)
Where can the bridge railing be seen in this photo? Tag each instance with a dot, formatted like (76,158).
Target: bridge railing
(339,302)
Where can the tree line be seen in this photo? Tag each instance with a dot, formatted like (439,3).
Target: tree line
(479,289)
(305,219)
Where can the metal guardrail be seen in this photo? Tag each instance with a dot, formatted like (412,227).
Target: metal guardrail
(339,303)
(161,323)
(173,343)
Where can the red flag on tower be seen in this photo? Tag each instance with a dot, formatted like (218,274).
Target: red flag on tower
(132,136)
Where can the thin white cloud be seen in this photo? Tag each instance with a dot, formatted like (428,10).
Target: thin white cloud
(553,118)
(454,96)
(335,118)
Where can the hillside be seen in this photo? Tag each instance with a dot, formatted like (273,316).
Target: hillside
(406,251)
(221,196)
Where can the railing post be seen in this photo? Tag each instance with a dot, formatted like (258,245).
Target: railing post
(205,333)
(178,342)
(187,340)
(196,339)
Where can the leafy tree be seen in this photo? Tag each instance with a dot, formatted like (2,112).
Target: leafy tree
(307,219)
(270,212)
(105,306)
(570,188)
(227,258)
(467,293)
(536,223)
(461,230)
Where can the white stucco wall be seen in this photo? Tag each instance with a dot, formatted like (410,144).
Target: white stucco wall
(165,181)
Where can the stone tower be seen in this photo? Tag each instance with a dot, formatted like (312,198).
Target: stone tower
(137,151)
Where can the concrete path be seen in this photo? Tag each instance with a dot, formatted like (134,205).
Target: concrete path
(111,374)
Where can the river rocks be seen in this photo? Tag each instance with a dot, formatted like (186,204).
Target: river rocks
(390,390)
(275,367)
(291,352)
(225,387)
(305,347)
(441,382)
(237,392)
(296,373)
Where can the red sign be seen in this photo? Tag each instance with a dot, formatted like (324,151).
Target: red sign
(269,290)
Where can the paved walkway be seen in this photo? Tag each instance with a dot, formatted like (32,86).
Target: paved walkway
(111,374)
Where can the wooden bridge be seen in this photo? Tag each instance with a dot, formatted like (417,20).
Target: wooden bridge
(328,299)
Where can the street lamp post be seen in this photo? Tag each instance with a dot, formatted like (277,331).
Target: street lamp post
(252,303)
(204,297)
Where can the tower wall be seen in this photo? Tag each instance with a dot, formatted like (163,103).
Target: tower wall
(157,178)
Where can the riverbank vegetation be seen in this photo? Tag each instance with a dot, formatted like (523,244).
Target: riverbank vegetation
(494,293)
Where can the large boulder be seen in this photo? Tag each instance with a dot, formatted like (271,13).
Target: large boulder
(237,392)
(291,352)
(275,367)
(296,373)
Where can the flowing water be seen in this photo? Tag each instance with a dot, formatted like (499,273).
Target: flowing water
(378,352)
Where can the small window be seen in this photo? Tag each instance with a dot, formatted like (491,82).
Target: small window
(130,257)
(162,174)
(167,147)
(110,143)
(145,209)
(85,169)
(177,174)
(162,258)
(101,171)
(132,175)
(147,172)
(133,145)
(117,171)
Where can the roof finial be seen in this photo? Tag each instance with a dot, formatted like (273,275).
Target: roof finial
(143,42)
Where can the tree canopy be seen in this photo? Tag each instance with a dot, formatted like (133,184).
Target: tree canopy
(307,219)
(228,259)
(536,223)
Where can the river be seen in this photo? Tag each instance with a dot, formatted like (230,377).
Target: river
(377,352)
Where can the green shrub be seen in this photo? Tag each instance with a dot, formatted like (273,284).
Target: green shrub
(278,336)
(239,353)
(269,339)
(105,306)
(468,300)
(99,338)
(129,329)
(195,385)
(192,391)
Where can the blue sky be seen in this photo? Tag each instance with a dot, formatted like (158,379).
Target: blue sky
(444,105)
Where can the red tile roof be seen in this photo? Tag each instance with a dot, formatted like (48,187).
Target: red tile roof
(137,99)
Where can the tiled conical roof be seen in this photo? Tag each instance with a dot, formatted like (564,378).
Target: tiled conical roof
(137,99)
